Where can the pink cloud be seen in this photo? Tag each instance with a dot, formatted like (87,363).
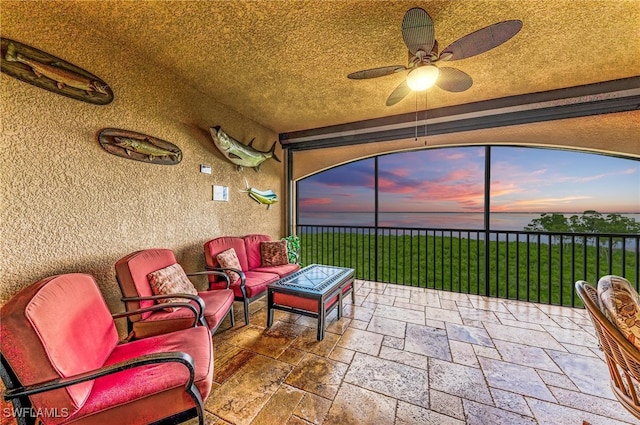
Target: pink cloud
(315,201)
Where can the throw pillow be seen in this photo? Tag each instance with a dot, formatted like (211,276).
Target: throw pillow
(621,304)
(171,280)
(229,259)
(274,253)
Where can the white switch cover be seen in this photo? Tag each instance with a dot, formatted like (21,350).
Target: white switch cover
(206,169)
(220,193)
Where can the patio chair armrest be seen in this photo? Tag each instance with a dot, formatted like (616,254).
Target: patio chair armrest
(213,272)
(199,313)
(243,278)
(155,358)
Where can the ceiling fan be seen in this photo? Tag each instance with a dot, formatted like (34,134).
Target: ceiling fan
(418,35)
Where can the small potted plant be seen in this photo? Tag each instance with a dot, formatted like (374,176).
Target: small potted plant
(293,249)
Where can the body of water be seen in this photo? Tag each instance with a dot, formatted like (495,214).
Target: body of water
(499,221)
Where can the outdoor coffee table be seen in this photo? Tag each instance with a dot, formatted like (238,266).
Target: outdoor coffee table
(313,291)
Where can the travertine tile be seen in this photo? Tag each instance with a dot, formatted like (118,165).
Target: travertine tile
(291,355)
(475,314)
(488,352)
(590,374)
(470,334)
(389,327)
(510,401)
(227,360)
(462,352)
(462,381)
(489,304)
(557,379)
(407,305)
(393,342)
(380,299)
(269,342)
(447,404)
(590,403)
(313,408)
(357,406)
(572,336)
(358,324)
(404,357)
(481,414)
(359,313)
(342,355)
(530,337)
(308,341)
(390,378)
(279,407)
(409,414)
(396,313)
(339,326)
(447,316)
(430,299)
(359,340)
(515,378)
(397,291)
(241,397)
(526,355)
(318,375)
(556,414)
(427,341)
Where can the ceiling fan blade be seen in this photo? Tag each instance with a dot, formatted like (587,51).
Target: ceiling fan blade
(482,40)
(454,80)
(399,93)
(376,72)
(417,30)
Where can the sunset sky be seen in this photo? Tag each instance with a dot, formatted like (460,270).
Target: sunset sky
(452,180)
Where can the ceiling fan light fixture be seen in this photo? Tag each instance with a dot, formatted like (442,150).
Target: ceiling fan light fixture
(422,77)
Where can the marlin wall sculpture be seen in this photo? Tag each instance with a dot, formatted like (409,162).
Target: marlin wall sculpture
(239,154)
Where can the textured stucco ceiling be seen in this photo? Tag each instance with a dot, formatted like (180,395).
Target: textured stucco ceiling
(284,63)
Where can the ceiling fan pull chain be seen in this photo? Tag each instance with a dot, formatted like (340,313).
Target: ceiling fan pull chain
(426,109)
(416,136)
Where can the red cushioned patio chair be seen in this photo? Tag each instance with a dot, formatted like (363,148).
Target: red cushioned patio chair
(132,273)
(62,363)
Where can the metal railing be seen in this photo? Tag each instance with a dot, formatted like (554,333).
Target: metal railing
(530,266)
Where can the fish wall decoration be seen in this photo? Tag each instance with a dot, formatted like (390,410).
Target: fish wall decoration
(139,147)
(239,154)
(264,197)
(51,73)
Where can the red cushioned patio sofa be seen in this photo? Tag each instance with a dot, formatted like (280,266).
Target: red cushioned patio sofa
(254,275)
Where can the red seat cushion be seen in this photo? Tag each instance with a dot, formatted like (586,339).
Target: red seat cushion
(130,389)
(217,304)
(256,283)
(282,271)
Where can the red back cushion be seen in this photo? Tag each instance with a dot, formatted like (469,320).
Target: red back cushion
(58,327)
(215,246)
(252,242)
(132,272)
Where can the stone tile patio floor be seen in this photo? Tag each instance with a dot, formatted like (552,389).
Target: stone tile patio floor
(414,356)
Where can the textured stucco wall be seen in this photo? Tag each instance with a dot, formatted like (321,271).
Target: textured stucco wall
(68,205)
